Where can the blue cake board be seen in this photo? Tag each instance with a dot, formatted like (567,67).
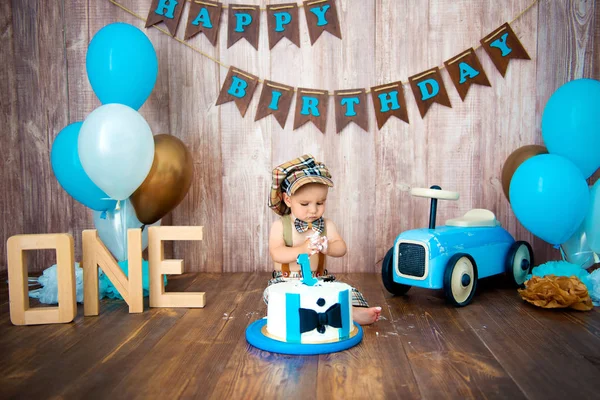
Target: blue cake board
(256,338)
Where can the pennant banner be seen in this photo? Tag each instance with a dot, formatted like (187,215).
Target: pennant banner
(165,11)
(428,88)
(275,99)
(502,45)
(239,87)
(243,23)
(311,105)
(465,70)
(243,20)
(204,17)
(282,22)
(351,106)
(321,16)
(389,101)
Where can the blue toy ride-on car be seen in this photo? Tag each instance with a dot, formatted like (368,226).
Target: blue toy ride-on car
(453,257)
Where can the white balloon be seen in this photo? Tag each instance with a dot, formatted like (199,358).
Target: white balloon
(592,220)
(116,149)
(577,249)
(112,229)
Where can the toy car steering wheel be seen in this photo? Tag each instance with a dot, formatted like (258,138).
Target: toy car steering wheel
(434,193)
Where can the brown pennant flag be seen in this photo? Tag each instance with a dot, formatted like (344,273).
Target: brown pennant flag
(167,11)
(321,16)
(311,105)
(351,106)
(428,88)
(282,22)
(243,22)
(502,45)
(388,101)
(465,70)
(275,99)
(239,87)
(204,17)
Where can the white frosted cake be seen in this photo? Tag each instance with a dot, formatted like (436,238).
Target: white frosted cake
(298,313)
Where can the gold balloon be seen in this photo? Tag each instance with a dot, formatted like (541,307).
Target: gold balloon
(167,182)
(513,162)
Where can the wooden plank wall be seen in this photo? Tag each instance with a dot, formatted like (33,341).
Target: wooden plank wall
(45,87)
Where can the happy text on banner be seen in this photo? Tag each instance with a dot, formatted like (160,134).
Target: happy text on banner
(243,20)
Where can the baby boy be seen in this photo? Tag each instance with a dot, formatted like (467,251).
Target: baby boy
(299,196)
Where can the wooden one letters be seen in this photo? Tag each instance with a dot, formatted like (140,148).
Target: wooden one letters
(95,254)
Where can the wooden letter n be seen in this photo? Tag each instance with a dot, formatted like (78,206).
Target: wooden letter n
(95,254)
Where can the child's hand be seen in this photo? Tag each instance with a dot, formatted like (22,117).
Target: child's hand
(324,246)
(318,243)
(308,247)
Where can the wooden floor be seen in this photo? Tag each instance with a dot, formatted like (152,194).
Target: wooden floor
(497,347)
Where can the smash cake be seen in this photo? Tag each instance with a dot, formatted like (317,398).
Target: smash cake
(298,313)
(306,316)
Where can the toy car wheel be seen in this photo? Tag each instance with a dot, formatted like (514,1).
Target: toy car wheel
(460,279)
(519,262)
(387,275)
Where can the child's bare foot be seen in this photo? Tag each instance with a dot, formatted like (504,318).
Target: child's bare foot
(366,316)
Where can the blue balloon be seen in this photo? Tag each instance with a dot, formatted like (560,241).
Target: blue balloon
(70,174)
(571,124)
(121,65)
(550,197)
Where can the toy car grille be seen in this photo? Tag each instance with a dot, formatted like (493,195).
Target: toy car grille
(411,259)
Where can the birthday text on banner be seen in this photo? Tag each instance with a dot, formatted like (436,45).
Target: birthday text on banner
(388,100)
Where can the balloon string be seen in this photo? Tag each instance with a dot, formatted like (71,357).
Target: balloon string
(118,206)
(562,253)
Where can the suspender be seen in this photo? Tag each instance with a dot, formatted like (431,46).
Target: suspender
(287,230)
(287,238)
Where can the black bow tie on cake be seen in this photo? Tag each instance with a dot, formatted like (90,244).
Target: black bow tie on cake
(310,319)
(303,226)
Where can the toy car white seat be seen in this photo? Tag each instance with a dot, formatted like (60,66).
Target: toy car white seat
(475,218)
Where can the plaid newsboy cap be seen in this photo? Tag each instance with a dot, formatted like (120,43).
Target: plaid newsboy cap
(290,176)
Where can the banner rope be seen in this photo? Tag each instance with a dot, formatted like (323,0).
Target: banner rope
(260,80)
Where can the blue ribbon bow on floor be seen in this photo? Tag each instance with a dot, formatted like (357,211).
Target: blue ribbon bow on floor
(310,319)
